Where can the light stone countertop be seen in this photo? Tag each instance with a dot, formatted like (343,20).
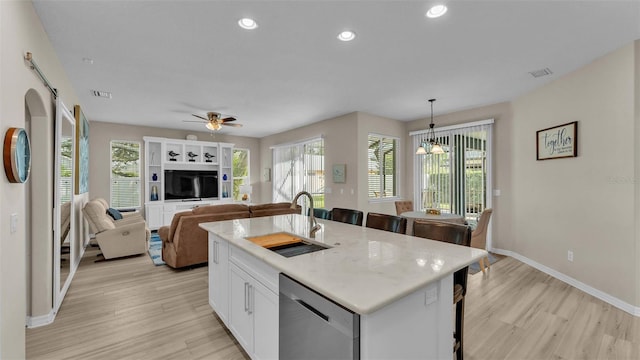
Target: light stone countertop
(364,270)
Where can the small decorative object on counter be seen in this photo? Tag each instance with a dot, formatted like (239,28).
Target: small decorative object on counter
(209,157)
(192,156)
(173,155)
(154,193)
(224,177)
(433,212)
(154,177)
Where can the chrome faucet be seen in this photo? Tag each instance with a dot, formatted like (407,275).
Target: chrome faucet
(313,223)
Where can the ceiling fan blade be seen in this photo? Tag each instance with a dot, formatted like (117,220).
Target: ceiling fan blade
(201,117)
(234,125)
(194,121)
(227,119)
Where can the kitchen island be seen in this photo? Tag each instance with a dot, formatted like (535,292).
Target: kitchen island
(401,286)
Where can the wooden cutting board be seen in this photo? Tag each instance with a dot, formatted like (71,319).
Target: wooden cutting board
(273,240)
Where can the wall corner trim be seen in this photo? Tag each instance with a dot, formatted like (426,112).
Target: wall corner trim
(612,300)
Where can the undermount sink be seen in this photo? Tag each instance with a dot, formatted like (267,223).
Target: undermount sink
(285,244)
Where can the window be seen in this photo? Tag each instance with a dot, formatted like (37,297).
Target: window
(382,170)
(457,181)
(240,171)
(125,174)
(298,167)
(66,164)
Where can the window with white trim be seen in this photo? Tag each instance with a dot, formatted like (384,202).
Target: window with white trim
(125,184)
(240,171)
(382,174)
(299,167)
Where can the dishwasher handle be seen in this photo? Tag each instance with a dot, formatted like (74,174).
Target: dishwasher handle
(312,309)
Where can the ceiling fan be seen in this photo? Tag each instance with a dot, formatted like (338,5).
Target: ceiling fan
(215,120)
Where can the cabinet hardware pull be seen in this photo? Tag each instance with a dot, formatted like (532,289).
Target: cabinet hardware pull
(246,297)
(313,310)
(251,299)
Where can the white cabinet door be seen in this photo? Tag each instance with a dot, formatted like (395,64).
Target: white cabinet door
(219,276)
(265,322)
(240,317)
(154,217)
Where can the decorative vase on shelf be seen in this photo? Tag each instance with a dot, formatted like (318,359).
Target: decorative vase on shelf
(154,193)
(154,177)
(224,177)
(224,191)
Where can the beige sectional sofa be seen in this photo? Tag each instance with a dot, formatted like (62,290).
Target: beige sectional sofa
(184,243)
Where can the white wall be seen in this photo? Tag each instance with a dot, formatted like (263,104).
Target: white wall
(21,31)
(584,204)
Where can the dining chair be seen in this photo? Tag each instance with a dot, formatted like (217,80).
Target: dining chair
(403,206)
(479,236)
(387,222)
(347,216)
(455,234)
(320,213)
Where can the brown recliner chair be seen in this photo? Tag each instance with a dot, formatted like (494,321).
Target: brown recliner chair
(184,243)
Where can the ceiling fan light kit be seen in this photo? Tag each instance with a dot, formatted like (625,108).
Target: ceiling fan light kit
(215,120)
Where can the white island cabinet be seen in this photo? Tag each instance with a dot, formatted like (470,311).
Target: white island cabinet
(401,286)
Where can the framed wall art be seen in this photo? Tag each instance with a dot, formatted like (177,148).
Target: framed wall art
(339,173)
(82,153)
(557,142)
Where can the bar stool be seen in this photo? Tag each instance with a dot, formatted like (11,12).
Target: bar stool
(386,222)
(455,234)
(348,216)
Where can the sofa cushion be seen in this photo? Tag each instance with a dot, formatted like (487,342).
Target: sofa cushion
(219,209)
(273,209)
(115,214)
(97,217)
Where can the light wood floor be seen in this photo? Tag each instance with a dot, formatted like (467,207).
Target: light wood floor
(131,309)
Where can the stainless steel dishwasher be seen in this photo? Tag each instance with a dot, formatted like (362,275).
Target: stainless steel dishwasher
(314,327)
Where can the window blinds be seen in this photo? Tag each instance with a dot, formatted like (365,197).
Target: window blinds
(458,181)
(299,167)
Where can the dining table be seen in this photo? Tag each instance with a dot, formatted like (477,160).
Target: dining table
(423,215)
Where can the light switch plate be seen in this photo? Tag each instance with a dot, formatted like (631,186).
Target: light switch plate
(14,223)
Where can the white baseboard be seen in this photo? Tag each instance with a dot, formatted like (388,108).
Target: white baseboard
(622,305)
(42,320)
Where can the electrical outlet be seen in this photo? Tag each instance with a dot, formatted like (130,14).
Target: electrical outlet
(570,255)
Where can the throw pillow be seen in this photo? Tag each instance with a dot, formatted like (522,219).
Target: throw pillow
(115,214)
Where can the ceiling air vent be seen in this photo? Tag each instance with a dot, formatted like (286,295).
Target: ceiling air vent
(102,94)
(541,72)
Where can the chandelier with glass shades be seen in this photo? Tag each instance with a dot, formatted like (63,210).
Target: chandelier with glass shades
(434,146)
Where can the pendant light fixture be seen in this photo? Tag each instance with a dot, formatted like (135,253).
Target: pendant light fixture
(435,147)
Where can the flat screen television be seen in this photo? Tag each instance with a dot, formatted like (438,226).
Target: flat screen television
(190,184)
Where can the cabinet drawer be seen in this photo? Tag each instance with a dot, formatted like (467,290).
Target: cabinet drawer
(258,269)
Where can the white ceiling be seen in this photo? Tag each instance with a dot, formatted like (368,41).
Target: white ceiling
(164,60)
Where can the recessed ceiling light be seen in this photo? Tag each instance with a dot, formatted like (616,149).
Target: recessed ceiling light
(87,60)
(346,35)
(247,23)
(436,11)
